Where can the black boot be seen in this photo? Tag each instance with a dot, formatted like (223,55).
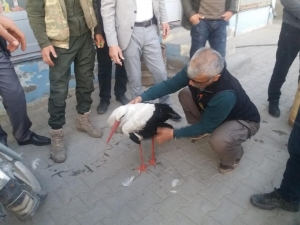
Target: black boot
(103,106)
(122,99)
(274,108)
(272,200)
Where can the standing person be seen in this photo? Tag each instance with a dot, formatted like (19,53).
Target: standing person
(63,29)
(287,197)
(288,49)
(12,93)
(131,28)
(207,20)
(105,71)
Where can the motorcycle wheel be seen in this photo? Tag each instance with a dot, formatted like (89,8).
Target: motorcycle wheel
(28,176)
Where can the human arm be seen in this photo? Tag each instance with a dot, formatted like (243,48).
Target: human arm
(166,87)
(12,34)
(36,16)
(108,12)
(293,6)
(99,40)
(231,8)
(215,113)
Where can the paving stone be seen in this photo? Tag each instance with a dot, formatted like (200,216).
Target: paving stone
(176,156)
(241,196)
(284,217)
(269,166)
(97,193)
(189,187)
(92,179)
(181,219)
(257,216)
(162,165)
(184,168)
(163,186)
(215,193)
(169,207)
(143,202)
(197,209)
(73,221)
(231,180)
(246,164)
(74,188)
(207,220)
(96,213)
(153,217)
(141,182)
(64,213)
(118,199)
(46,219)
(199,159)
(259,181)
(115,182)
(125,216)
(227,212)
(206,174)
(52,201)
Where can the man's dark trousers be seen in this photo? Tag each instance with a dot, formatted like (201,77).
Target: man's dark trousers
(288,48)
(213,31)
(13,98)
(105,73)
(82,52)
(290,185)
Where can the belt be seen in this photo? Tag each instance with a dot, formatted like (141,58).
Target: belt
(146,23)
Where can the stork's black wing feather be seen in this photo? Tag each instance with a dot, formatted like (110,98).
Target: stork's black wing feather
(162,113)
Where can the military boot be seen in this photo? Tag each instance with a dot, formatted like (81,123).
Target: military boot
(83,124)
(58,151)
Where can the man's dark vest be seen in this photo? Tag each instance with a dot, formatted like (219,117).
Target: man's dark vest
(244,109)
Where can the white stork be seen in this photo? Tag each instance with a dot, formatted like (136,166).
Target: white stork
(140,121)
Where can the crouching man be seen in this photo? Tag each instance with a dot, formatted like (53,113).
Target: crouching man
(213,102)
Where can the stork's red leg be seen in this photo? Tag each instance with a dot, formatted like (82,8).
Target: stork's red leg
(143,166)
(152,160)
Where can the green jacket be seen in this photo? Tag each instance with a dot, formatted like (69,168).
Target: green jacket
(191,7)
(49,22)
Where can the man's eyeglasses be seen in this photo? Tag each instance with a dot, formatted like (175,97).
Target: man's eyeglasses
(200,83)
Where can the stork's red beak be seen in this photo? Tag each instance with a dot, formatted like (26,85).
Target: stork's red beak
(113,129)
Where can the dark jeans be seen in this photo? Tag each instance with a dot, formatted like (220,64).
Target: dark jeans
(288,48)
(105,73)
(290,185)
(81,51)
(13,98)
(213,31)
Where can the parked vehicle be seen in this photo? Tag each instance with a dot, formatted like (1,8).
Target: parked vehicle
(21,191)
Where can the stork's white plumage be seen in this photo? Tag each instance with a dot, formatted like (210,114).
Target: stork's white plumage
(133,117)
(140,121)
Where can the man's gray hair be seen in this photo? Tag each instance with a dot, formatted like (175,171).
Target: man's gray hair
(206,62)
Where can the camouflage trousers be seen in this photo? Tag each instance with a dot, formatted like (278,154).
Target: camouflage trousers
(81,51)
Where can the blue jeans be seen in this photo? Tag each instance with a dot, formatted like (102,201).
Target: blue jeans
(290,185)
(213,31)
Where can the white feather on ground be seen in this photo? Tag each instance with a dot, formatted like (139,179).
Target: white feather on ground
(128,181)
(35,163)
